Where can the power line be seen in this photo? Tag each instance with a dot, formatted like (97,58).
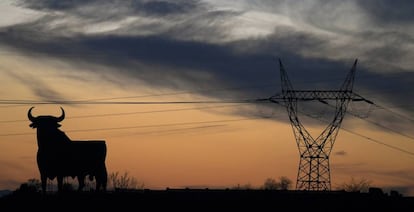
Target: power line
(132,113)
(376,123)
(174,130)
(395,113)
(206,122)
(382,126)
(379,142)
(143,126)
(80,102)
(363,136)
(96,101)
(21,102)
(176,102)
(185,102)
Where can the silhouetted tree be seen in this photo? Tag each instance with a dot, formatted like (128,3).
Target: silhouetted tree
(271,184)
(355,185)
(124,181)
(284,183)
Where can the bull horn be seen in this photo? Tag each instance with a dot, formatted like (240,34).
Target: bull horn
(59,119)
(29,115)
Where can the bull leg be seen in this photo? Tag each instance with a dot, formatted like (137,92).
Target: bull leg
(101,179)
(98,184)
(104,181)
(60,183)
(104,177)
(81,182)
(43,179)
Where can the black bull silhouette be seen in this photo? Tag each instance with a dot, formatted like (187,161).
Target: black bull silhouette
(58,156)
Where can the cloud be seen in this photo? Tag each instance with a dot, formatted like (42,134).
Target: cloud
(341,153)
(150,14)
(113,8)
(190,45)
(39,88)
(389,12)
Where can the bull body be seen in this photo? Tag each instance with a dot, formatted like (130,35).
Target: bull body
(58,156)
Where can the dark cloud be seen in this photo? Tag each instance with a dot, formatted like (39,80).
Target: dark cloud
(113,8)
(51,4)
(228,67)
(183,57)
(188,61)
(185,60)
(389,12)
(165,8)
(340,153)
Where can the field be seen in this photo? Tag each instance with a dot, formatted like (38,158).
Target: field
(205,199)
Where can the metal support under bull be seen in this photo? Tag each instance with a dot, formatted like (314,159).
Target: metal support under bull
(314,171)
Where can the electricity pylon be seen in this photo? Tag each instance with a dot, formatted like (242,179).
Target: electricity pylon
(314,172)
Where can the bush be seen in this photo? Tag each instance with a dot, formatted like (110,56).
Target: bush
(124,182)
(355,185)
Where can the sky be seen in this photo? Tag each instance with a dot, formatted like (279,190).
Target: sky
(210,56)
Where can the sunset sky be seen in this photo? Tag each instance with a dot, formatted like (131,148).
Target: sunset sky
(209,56)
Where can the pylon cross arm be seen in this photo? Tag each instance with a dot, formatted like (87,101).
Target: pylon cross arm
(308,95)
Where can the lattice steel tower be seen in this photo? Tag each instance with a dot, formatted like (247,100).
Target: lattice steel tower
(314,171)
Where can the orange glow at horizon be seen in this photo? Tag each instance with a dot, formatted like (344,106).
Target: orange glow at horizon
(180,145)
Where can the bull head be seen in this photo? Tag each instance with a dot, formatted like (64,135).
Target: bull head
(41,121)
